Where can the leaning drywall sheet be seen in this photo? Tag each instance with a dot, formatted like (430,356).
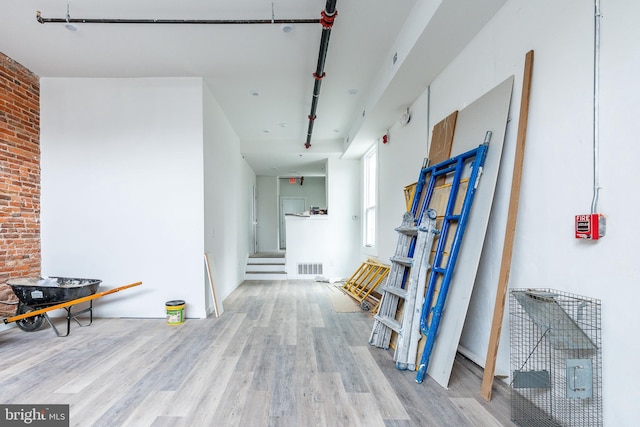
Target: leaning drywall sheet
(209,269)
(489,113)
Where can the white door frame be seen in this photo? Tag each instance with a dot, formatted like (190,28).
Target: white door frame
(285,210)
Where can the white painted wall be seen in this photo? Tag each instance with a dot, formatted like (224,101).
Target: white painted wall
(307,242)
(557,181)
(267,195)
(228,199)
(141,177)
(399,163)
(334,239)
(344,200)
(122,189)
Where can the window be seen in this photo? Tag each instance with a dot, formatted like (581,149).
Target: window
(370,196)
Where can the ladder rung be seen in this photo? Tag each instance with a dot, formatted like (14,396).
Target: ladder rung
(396,291)
(402,260)
(443,170)
(389,322)
(452,217)
(409,231)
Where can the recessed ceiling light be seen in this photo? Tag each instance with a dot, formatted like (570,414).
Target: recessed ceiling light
(254,93)
(287,28)
(265,131)
(352,92)
(336,131)
(282,125)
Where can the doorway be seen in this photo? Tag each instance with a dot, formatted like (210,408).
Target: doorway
(289,205)
(254,219)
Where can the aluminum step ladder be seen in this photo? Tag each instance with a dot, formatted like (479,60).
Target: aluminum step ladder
(406,282)
(459,171)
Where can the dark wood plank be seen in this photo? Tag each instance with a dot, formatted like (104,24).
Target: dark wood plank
(442,139)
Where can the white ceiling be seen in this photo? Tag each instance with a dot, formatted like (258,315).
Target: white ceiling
(236,59)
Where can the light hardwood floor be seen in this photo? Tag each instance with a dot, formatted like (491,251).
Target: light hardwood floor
(280,355)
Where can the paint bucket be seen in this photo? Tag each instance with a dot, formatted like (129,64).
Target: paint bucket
(175,312)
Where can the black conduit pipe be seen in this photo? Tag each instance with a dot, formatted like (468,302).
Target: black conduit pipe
(42,20)
(328,16)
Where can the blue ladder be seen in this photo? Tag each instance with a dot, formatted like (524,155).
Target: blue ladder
(465,167)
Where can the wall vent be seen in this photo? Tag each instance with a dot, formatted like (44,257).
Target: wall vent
(310,268)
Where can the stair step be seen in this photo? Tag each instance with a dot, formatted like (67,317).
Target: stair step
(265,268)
(277,261)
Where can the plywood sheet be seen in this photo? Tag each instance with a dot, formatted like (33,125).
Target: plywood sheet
(439,150)
(488,113)
(442,139)
(507,248)
(409,193)
(439,202)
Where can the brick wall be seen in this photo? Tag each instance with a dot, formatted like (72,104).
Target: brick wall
(19,172)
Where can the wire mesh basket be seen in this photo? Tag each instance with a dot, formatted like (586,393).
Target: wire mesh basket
(556,361)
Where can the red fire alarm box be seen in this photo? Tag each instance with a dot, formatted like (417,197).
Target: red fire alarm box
(591,226)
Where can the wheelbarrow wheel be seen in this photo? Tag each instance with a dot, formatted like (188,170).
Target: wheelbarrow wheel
(29,324)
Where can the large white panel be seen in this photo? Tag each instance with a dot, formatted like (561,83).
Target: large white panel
(489,113)
(267,227)
(228,199)
(331,239)
(122,189)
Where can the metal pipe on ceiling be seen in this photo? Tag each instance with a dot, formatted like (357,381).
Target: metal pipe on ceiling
(328,16)
(68,20)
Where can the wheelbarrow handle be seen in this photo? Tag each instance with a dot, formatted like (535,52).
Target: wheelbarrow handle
(69,303)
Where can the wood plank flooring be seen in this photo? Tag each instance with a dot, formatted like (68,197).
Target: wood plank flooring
(280,355)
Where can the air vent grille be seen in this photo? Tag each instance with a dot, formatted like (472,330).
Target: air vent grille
(310,268)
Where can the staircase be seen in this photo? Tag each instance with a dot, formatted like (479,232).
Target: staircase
(266,266)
